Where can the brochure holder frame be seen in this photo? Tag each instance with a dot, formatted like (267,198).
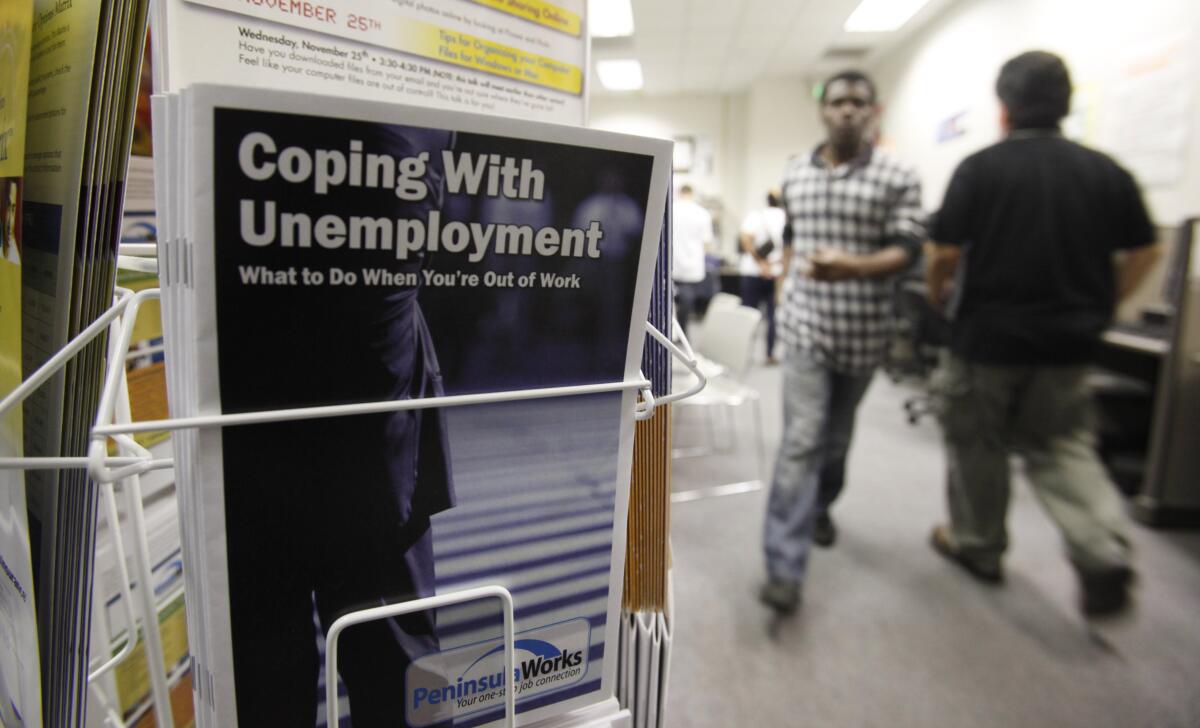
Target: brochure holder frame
(113,421)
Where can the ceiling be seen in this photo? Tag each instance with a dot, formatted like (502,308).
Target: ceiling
(722,46)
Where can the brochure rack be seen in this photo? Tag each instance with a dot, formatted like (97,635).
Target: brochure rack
(113,421)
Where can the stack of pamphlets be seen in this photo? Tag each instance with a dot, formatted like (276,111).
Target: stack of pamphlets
(20,695)
(319,252)
(84,67)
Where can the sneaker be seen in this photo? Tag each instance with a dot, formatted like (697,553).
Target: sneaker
(781,595)
(824,531)
(1105,593)
(943,543)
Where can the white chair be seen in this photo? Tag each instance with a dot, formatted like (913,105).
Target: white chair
(724,357)
(722,300)
(719,302)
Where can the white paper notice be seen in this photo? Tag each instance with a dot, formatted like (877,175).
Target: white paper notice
(523,60)
(1151,115)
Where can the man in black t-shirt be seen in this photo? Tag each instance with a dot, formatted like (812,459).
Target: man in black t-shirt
(1040,237)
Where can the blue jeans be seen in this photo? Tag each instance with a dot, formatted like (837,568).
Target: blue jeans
(818,420)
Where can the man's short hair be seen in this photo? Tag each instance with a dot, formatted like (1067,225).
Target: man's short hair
(849,76)
(685,190)
(1035,87)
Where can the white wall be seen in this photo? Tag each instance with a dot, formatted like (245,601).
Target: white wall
(782,121)
(950,67)
(750,136)
(702,117)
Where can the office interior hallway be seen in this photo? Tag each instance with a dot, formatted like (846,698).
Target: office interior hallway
(891,635)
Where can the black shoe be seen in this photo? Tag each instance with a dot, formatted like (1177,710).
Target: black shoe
(824,531)
(781,595)
(943,543)
(1105,593)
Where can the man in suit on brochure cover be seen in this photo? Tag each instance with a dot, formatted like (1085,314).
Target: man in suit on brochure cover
(332,515)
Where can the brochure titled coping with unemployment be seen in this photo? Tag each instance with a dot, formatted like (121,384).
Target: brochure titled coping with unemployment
(373,252)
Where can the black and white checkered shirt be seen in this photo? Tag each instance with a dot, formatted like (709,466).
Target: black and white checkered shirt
(860,207)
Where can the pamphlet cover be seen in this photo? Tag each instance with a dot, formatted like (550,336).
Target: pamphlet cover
(360,252)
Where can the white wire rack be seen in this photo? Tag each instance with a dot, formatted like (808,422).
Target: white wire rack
(113,420)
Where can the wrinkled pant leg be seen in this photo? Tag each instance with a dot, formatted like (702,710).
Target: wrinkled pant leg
(976,406)
(787,533)
(270,553)
(847,393)
(373,657)
(1055,435)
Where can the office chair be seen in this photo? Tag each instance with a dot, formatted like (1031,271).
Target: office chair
(725,355)
(920,333)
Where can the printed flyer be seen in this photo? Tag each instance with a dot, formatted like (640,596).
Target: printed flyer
(516,59)
(20,687)
(376,252)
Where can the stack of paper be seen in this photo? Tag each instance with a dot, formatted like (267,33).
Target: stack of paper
(644,666)
(647,557)
(83,76)
(321,252)
(20,695)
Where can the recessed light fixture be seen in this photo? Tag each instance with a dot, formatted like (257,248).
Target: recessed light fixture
(610,18)
(882,16)
(620,75)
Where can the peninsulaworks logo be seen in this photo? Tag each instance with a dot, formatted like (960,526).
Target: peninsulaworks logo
(470,679)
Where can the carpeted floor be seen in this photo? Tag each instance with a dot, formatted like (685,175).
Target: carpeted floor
(890,635)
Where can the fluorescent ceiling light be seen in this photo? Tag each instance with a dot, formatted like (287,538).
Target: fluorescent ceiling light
(623,75)
(610,18)
(882,16)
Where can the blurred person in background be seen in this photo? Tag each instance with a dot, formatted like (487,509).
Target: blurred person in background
(854,219)
(1039,237)
(691,237)
(761,264)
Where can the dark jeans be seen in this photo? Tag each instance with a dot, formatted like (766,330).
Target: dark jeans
(686,296)
(298,541)
(755,292)
(332,515)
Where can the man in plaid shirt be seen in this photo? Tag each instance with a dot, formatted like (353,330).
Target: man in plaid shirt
(854,219)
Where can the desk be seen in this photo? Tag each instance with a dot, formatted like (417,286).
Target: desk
(1153,416)
(1135,355)
(1168,361)
(1170,491)
(1126,385)
(1140,343)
